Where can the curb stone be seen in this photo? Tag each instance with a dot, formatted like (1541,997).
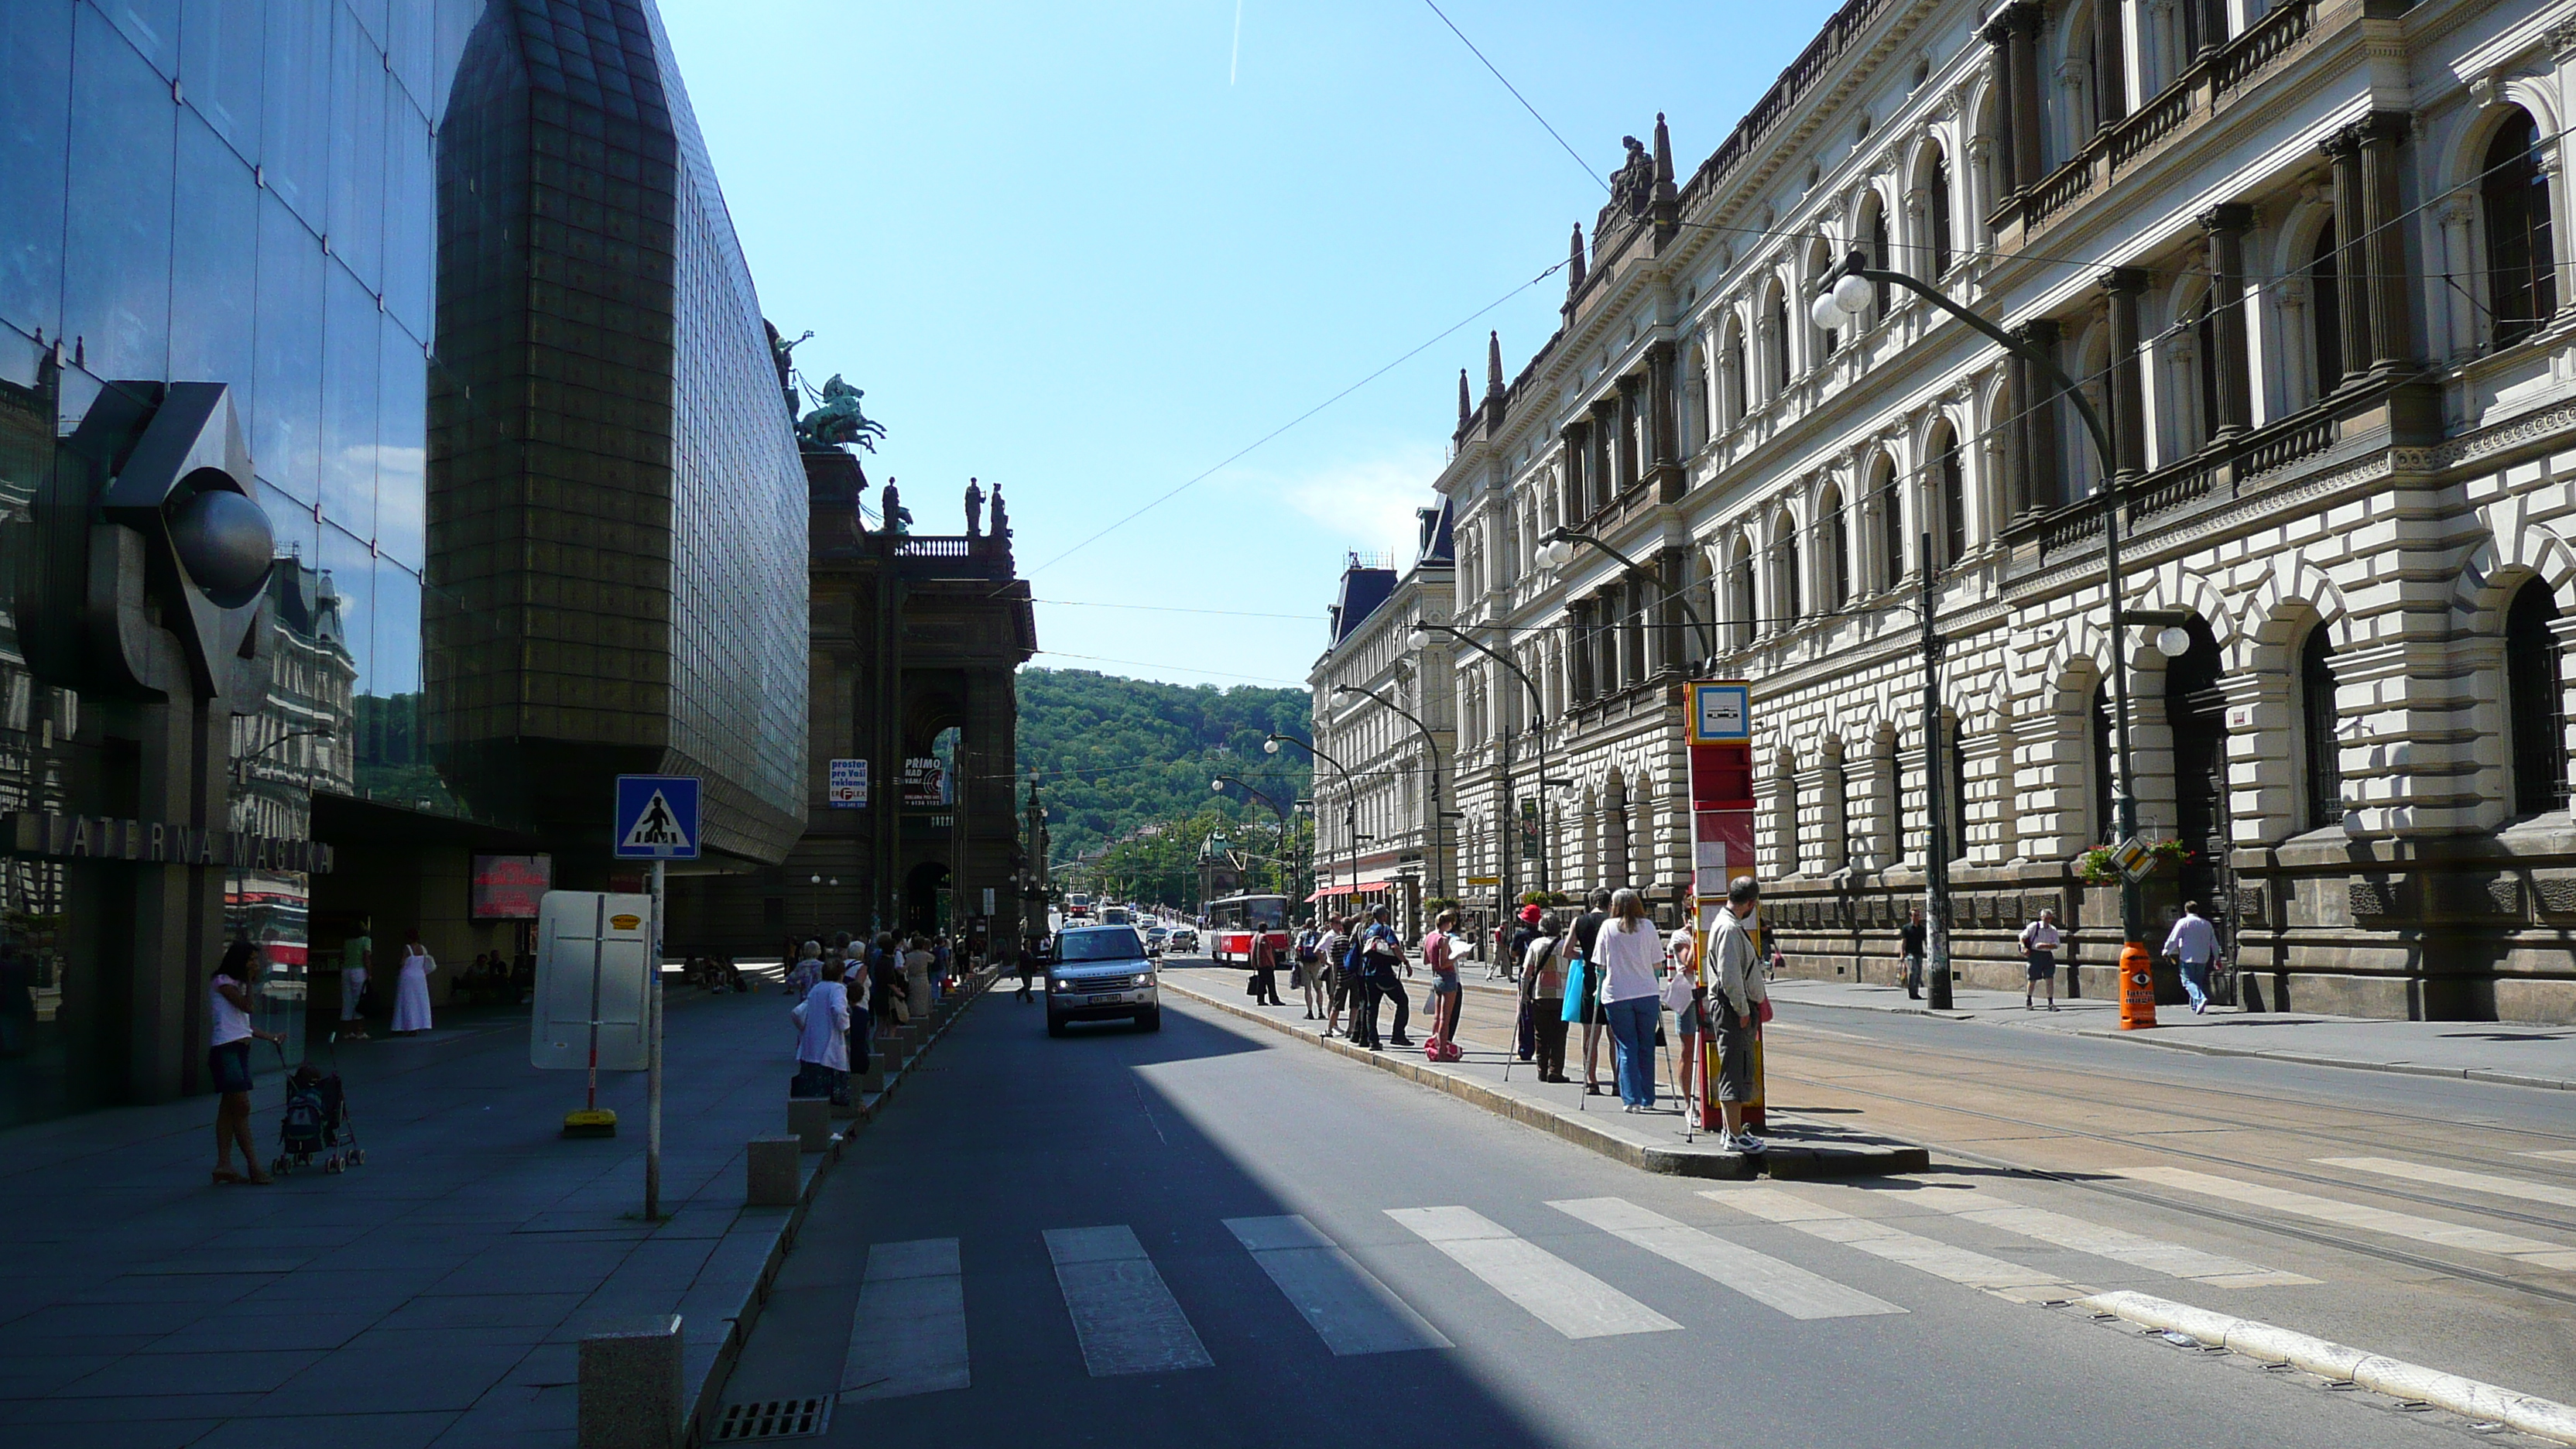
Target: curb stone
(707,1393)
(2340,1363)
(1784,1163)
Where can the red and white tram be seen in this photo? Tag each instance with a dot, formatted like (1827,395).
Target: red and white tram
(1233,921)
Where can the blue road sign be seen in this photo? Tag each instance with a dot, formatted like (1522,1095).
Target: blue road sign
(657,817)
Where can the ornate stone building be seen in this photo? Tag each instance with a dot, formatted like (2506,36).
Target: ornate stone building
(1382,781)
(2308,259)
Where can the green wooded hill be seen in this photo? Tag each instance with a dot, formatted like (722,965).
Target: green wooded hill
(1115,754)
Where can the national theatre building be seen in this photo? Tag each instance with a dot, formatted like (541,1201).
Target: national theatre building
(2308,260)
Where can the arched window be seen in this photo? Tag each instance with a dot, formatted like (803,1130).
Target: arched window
(2325,311)
(1954,500)
(1878,255)
(1777,344)
(2318,718)
(1940,216)
(1740,586)
(2532,699)
(2106,815)
(1837,582)
(1785,550)
(1736,385)
(2521,265)
(1891,525)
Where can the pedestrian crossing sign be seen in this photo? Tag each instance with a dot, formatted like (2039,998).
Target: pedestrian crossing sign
(657,817)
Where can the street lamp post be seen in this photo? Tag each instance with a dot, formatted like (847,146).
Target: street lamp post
(1538,742)
(1439,872)
(1350,795)
(1848,292)
(1559,552)
(1217,786)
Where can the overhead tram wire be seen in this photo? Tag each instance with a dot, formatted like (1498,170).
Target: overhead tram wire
(1597,178)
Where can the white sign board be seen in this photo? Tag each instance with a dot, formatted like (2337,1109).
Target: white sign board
(587,937)
(849,785)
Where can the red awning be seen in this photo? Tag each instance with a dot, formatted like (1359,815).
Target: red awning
(1330,890)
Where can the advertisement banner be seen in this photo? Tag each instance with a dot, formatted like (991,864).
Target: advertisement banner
(925,782)
(848,785)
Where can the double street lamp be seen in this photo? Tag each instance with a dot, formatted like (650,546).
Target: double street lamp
(1558,552)
(1218,785)
(1848,292)
(1350,795)
(1439,874)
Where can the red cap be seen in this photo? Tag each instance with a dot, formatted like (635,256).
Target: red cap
(1530,913)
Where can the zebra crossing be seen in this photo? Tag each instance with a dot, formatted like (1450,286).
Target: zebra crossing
(909,1334)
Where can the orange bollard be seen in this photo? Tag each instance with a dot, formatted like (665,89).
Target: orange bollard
(2137,988)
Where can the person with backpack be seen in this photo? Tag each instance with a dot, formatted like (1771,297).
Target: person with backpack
(1583,986)
(1439,953)
(1309,979)
(1382,962)
(1543,988)
(2039,941)
(1332,963)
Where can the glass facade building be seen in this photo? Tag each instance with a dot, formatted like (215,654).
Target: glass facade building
(250,193)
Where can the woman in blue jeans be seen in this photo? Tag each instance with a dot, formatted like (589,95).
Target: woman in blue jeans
(1625,955)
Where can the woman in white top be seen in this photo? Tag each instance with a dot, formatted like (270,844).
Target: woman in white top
(823,1040)
(411,988)
(228,1060)
(1625,955)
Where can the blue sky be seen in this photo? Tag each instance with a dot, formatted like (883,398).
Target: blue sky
(1063,249)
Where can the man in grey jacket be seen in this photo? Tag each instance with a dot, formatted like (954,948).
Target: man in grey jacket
(1735,997)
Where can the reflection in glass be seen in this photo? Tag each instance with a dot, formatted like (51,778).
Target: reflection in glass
(116,282)
(352,575)
(286,431)
(357,220)
(349,392)
(295,104)
(411,226)
(219,60)
(35,111)
(214,272)
(402,452)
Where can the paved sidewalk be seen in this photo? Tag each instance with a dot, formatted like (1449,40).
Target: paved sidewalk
(435,1295)
(2514,1053)
(1656,1140)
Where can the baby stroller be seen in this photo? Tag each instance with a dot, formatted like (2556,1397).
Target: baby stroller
(315,1121)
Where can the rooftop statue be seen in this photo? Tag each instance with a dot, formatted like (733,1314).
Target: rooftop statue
(840,421)
(893,517)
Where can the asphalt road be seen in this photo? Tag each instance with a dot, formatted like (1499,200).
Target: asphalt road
(1483,1282)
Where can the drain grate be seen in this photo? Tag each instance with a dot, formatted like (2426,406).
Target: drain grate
(773,1419)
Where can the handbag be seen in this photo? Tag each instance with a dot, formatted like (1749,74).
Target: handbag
(1677,992)
(1252,984)
(1762,1010)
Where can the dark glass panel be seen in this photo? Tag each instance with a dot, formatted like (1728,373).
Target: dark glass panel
(357,212)
(286,431)
(1940,219)
(153,27)
(350,355)
(220,44)
(1954,502)
(410,42)
(2317,705)
(214,271)
(35,114)
(402,448)
(2522,265)
(397,630)
(116,259)
(295,105)
(2534,699)
(411,215)
(2106,817)
(2325,312)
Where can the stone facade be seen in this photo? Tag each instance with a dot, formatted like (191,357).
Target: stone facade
(1381,782)
(2308,261)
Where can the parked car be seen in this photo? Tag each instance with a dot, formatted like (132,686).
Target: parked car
(1101,973)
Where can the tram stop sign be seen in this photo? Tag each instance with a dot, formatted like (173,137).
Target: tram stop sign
(657,817)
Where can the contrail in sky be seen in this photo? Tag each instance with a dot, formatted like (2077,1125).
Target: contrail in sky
(1234,61)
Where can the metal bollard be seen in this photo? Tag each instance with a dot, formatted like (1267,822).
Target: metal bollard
(773,1176)
(628,1392)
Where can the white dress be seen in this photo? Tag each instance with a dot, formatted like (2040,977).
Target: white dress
(411,990)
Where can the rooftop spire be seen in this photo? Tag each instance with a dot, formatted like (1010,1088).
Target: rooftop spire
(1493,362)
(1574,263)
(1462,399)
(1663,152)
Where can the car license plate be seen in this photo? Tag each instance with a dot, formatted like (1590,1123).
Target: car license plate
(1098,1000)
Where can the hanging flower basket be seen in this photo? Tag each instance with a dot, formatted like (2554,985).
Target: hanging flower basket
(2101,864)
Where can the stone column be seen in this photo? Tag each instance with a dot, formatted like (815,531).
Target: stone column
(2297,358)
(2392,332)
(2013,34)
(2035,486)
(2128,420)
(1675,641)
(1663,421)
(2110,65)
(2351,255)
(2226,226)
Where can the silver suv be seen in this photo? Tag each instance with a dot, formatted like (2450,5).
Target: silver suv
(1098,973)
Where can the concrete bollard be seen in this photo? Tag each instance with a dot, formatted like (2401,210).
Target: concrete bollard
(773,1176)
(809,1120)
(871,1080)
(628,1393)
